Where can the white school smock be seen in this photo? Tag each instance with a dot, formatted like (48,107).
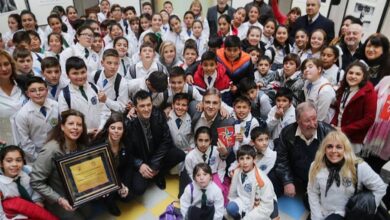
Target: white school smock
(182,137)
(275,125)
(92,62)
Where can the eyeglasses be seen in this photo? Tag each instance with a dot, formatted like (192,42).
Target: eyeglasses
(40,90)
(87,35)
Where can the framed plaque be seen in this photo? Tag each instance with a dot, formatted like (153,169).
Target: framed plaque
(88,174)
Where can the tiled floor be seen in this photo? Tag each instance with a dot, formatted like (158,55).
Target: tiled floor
(154,202)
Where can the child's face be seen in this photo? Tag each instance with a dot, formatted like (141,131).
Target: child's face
(311,72)
(78,77)
(328,58)
(147,9)
(317,40)
(209,67)
(253,15)
(104,6)
(129,14)
(111,65)
(202,179)
(52,75)
(156,22)
(86,38)
(95,27)
(203,142)
(37,92)
(246,163)
(28,22)
(55,25)
(115,131)
(252,94)
(242,110)
(197,29)
(55,44)
(168,8)
(190,56)
(239,16)
(117,14)
(281,35)
(134,25)
(188,20)
(232,53)
(177,83)
(93,16)
(35,43)
(175,25)
(72,14)
(254,37)
(261,143)
(116,32)
(289,68)
(12,24)
(263,67)
(165,17)
(147,54)
(24,65)
(283,103)
(145,23)
(254,56)
(180,107)
(121,46)
(224,26)
(269,29)
(301,39)
(12,164)
(354,76)
(292,17)
(97,44)
(169,54)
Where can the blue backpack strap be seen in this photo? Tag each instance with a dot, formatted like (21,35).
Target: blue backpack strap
(192,193)
(66,93)
(39,57)
(117,83)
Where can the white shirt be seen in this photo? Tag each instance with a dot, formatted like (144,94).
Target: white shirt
(61,85)
(322,96)
(141,71)
(124,65)
(135,85)
(92,62)
(242,32)
(32,127)
(241,128)
(201,44)
(95,112)
(215,162)
(178,40)
(195,93)
(114,103)
(275,125)
(331,75)
(182,137)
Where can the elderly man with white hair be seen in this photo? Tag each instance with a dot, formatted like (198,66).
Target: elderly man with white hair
(313,20)
(352,48)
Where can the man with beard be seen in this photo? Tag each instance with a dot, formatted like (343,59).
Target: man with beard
(352,49)
(296,148)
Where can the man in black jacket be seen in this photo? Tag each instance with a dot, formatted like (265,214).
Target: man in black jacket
(296,148)
(214,12)
(150,145)
(313,20)
(265,10)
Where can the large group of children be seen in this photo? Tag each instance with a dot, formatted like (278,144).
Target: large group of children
(97,63)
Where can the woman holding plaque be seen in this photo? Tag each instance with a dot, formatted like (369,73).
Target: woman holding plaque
(69,136)
(112,134)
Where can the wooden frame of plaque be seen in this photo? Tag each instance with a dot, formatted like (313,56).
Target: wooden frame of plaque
(88,174)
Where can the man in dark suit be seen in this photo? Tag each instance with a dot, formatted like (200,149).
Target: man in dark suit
(214,12)
(312,21)
(150,145)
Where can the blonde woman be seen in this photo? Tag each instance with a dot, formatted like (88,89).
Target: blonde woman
(333,177)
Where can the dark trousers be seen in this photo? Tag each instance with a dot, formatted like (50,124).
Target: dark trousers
(173,157)
(334,217)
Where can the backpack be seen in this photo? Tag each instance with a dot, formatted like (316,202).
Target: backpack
(66,93)
(171,213)
(133,72)
(117,82)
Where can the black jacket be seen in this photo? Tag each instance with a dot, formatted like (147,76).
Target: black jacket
(294,156)
(212,18)
(136,142)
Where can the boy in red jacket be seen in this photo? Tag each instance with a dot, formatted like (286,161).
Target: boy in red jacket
(211,74)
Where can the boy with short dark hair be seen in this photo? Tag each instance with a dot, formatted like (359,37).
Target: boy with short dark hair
(83,96)
(282,114)
(212,74)
(238,63)
(261,103)
(112,87)
(264,75)
(147,8)
(244,121)
(168,6)
(129,12)
(215,43)
(23,62)
(22,39)
(266,157)
(51,72)
(251,193)
(35,119)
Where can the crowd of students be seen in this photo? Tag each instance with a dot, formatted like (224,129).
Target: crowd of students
(157,89)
